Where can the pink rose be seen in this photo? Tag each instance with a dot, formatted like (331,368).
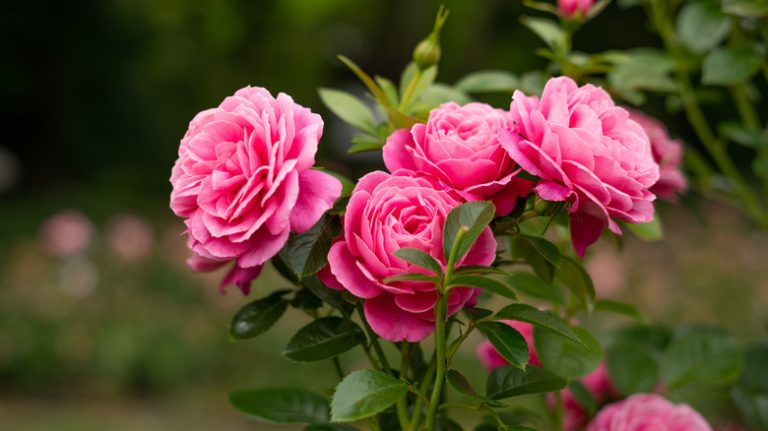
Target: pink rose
(599,385)
(386,213)
(587,151)
(492,359)
(459,146)
(243,179)
(569,8)
(648,412)
(668,153)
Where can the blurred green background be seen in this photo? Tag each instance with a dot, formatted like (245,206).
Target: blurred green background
(101,324)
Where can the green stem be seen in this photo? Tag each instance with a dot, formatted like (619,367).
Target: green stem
(374,340)
(440,313)
(402,403)
(746,110)
(409,90)
(422,395)
(337,366)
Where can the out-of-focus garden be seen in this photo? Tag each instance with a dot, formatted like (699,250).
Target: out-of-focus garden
(103,326)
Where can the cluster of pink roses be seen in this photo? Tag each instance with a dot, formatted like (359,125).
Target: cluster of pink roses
(244,180)
(637,412)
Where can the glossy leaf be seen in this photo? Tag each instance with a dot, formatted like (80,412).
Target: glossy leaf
(323,339)
(420,259)
(565,357)
(701,355)
(728,66)
(474,216)
(485,283)
(286,405)
(633,368)
(702,25)
(349,108)
(536,317)
(258,316)
(578,281)
(507,381)
(507,341)
(545,248)
(332,297)
(307,253)
(364,393)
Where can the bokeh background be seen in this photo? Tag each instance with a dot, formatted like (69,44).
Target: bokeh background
(102,327)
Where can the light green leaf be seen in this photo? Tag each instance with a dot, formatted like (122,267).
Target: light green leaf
(547,30)
(363,143)
(420,259)
(702,25)
(349,108)
(644,70)
(573,275)
(488,81)
(728,66)
(651,231)
(473,216)
(285,405)
(364,393)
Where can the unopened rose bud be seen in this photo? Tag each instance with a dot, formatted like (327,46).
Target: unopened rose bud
(574,9)
(427,53)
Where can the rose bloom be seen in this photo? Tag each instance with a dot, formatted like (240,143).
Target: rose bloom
(587,151)
(459,146)
(569,8)
(243,180)
(386,213)
(492,359)
(648,412)
(668,153)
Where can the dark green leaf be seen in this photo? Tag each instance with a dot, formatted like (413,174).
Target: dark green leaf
(534,286)
(507,341)
(323,339)
(307,253)
(701,355)
(286,405)
(583,396)
(445,423)
(364,393)
(460,383)
(565,357)
(522,248)
(655,337)
(330,427)
(578,281)
(258,316)
(506,382)
(546,249)
(752,406)
(617,307)
(755,375)
(477,313)
(534,316)
(420,259)
(349,108)
(728,66)
(702,26)
(488,81)
(332,297)
(633,368)
(485,283)
(473,216)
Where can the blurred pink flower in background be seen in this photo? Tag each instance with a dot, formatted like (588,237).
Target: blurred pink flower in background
(569,8)
(586,151)
(668,153)
(608,273)
(643,412)
(598,384)
(130,237)
(67,233)
(459,145)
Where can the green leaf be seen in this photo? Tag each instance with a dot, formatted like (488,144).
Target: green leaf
(285,405)
(644,69)
(547,30)
(578,281)
(461,385)
(506,382)
(409,73)
(323,339)
(738,133)
(566,357)
(363,143)
(633,368)
(545,248)
(330,427)
(702,26)
(755,375)
(522,248)
(617,307)
(475,313)
(349,108)
(752,406)
(507,341)
(420,259)
(258,316)
(534,286)
(488,81)
(307,253)
(728,66)
(439,93)
(377,92)
(701,354)
(746,9)
(485,283)
(583,396)
(651,231)
(654,337)
(534,316)
(364,393)
(473,216)
(389,89)
(332,297)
